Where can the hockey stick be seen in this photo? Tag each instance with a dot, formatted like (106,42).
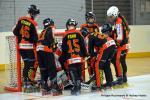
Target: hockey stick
(86,64)
(91,79)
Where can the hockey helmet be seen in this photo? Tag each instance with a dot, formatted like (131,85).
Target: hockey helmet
(113,11)
(106,28)
(70,22)
(33,10)
(90,15)
(48,22)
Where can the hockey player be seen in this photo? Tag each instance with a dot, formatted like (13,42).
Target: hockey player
(74,51)
(121,36)
(25,31)
(91,27)
(46,59)
(90,24)
(105,47)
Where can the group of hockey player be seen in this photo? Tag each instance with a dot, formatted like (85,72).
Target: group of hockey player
(98,46)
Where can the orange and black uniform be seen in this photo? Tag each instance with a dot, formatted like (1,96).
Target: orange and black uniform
(73,52)
(105,47)
(45,54)
(91,29)
(25,31)
(121,37)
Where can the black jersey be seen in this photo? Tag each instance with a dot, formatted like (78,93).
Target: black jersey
(25,29)
(95,40)
(73,44)
(99,42)
(46,37)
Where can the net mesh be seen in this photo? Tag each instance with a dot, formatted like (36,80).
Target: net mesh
(11,66)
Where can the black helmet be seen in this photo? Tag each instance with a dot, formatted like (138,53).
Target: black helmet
(33,10)
(48,22)
(106,28)
(90,15)
(71,21)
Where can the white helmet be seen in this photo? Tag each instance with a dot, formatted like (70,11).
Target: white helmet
(113,11)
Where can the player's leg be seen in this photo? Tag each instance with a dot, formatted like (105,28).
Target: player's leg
(43,71)
(24,58)
(29,61)
(52,71)
(92,69)
(108,54)
(79,76)
(118,68)
(62,61)
(83,72)
(124,65)
(75,75)
(99,71)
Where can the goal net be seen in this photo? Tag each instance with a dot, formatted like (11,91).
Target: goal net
(15,64)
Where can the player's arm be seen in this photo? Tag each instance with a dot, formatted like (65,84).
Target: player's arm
(49,36)
(126,38)
(34,35)
(63,46)
(83,47)
(91,46)
(16,29)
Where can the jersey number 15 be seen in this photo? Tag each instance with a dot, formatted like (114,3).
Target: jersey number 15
(73,45)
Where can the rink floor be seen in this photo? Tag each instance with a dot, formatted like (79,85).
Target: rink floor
(138,87)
